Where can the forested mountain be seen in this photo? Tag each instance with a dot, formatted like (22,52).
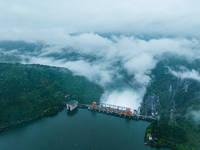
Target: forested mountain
(178,126)
(32,91)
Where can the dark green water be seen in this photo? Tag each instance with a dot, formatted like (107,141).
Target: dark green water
(79,130)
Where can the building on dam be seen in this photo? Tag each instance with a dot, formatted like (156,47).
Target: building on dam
(71,105)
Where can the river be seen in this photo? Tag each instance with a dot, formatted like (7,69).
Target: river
(79,130)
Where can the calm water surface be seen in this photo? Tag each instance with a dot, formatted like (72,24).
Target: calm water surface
(79,130)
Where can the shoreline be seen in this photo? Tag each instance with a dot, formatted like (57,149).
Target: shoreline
(31,119)
(176,146)
(59,110)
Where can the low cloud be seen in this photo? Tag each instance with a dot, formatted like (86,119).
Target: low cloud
(106,60)
(186,73)
(194,114)
(141,67)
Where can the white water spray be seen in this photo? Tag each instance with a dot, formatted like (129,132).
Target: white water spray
(125,97)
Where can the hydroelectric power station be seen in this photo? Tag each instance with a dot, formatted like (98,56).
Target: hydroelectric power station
(112,109)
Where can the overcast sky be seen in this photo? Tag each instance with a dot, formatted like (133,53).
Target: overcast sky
(50,19)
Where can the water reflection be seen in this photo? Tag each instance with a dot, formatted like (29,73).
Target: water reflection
(72,113)
(93,113)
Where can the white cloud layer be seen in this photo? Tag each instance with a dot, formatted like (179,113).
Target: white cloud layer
(114,35)
(106,57)
(135,56)
(51,20)
(186,74)
(194,114)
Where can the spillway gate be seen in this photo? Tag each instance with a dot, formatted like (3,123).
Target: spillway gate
(117,110)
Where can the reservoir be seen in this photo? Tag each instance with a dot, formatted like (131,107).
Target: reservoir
(81,129)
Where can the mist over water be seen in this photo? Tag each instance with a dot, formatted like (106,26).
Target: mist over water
(125,97)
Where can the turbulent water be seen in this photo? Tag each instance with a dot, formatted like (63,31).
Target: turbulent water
(78,130)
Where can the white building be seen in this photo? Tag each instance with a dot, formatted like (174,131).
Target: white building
(71,105)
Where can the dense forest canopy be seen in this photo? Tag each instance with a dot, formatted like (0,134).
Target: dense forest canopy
(179,105)
(32,91)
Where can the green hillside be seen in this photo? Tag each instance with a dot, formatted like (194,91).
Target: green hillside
(178,131)
(32,91)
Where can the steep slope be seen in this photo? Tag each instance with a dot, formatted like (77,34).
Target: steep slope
(32,91)
(176,128)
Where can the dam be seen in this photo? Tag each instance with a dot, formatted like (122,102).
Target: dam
(116,110)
